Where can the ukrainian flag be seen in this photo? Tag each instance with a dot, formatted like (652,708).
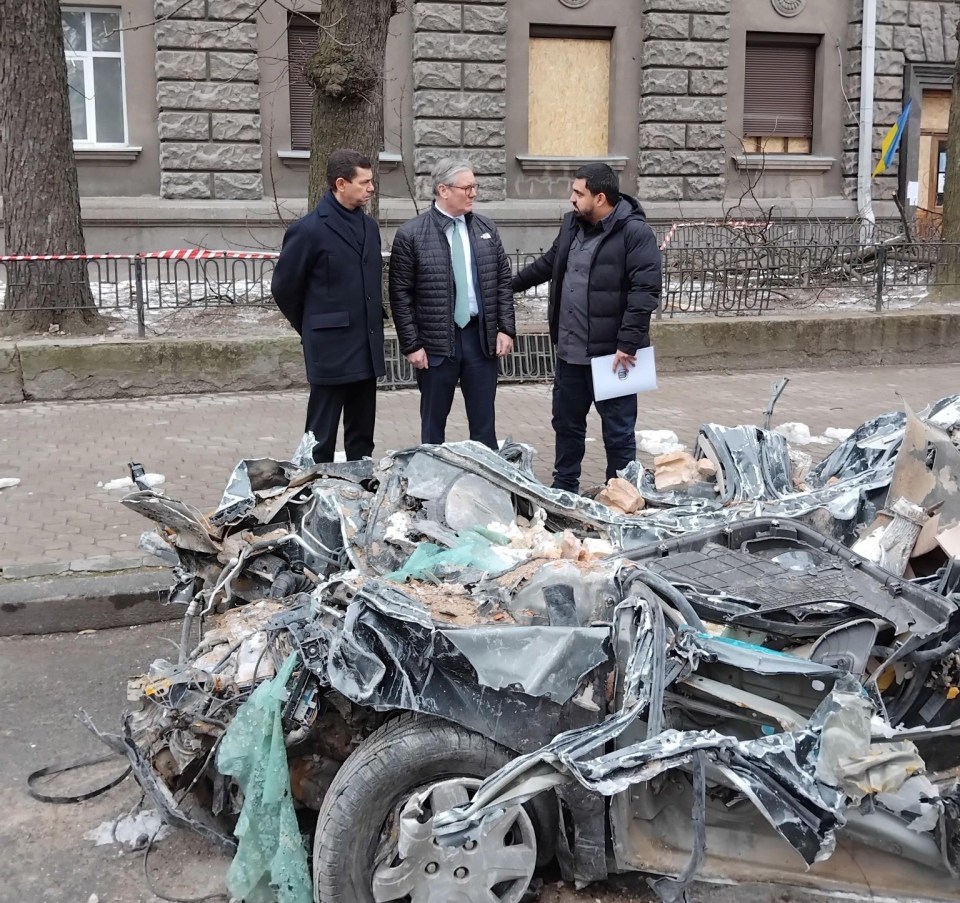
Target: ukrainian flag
(891,141)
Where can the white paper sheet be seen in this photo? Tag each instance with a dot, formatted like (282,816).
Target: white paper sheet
(625,381)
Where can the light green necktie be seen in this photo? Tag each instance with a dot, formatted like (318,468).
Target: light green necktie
(461,309)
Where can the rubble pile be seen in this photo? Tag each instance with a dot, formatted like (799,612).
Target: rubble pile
(699,638)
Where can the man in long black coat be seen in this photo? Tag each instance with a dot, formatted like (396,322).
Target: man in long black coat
(605,279)
(328,284)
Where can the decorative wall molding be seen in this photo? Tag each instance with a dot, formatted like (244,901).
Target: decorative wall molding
(789,8)
(783,163)
(105,154)
(566,165)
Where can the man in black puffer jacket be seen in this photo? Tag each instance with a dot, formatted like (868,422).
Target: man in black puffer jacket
(605,279)
(452,304)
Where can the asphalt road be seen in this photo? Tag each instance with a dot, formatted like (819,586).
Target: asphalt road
(45,681)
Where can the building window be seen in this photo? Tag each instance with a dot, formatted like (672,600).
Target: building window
(778,100)
(302,36)
(569,73)
(93,44)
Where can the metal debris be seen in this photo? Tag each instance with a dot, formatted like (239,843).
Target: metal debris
(718,663)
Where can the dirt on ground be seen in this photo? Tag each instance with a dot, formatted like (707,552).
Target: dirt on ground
(558,892)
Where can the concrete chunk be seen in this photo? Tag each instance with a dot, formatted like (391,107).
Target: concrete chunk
(622,496)
(675,470)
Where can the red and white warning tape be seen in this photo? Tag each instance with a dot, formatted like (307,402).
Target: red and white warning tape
(181,254)
(733,224)
(202,254)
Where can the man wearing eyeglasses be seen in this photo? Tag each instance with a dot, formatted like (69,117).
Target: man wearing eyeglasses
(452,304)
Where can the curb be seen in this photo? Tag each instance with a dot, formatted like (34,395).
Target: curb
(90,602)
(70,369)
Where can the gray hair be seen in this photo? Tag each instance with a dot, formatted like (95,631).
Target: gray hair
(447,169)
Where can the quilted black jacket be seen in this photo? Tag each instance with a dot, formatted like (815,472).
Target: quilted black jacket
(422,290)
(624,285)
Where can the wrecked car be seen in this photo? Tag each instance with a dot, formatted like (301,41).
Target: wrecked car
(451,676)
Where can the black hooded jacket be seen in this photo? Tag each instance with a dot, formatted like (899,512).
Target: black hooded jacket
(422,288)
(624,285)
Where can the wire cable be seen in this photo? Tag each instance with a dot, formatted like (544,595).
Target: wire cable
(219,895)
(51,770)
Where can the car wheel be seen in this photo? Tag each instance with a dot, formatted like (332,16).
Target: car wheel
(374,841)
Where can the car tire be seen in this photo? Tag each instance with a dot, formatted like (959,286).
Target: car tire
(401,757)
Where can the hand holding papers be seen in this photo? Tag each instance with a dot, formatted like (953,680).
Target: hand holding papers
(608,383)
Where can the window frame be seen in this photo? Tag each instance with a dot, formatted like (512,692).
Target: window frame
(299,22)
(538,161)
(810,43)
(939,140)
(86,58)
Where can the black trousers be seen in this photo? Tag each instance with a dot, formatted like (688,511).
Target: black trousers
(477,375)
(358,404)
(572,397)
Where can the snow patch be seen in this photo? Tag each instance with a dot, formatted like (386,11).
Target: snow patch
(835,432)
(799,434)
(9,482)
(658,442)
(132,831)
(151,479)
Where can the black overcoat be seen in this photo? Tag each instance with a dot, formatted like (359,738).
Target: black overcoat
(331,290)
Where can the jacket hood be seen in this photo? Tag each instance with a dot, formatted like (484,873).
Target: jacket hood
(629,210)
(635,209)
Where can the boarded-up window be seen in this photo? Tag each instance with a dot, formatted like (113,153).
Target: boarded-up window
(778,98)
(301,46)
(934,120)
(569,103)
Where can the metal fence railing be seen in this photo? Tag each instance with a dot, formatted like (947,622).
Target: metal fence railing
(749,273)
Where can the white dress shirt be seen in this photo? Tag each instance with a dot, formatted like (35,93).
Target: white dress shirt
(460,223)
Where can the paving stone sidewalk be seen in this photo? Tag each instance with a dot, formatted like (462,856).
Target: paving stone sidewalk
(59,521)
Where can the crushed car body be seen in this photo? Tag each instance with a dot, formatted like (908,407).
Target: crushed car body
(480,674)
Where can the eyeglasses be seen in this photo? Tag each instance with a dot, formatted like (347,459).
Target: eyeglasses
(466,189)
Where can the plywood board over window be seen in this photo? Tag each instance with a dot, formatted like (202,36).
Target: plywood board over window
(934,118)
(569,104)
(935,111)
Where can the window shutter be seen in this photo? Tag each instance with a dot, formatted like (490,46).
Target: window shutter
(301,46)
(778,92)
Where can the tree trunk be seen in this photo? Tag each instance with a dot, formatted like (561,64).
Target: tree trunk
(347,74)
(38,174)
(948,275)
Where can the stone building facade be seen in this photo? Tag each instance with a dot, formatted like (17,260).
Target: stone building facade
(527,90)
(208,100)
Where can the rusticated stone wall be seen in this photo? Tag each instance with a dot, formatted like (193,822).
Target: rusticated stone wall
(459,79)
(908,31)
(209,99)
(683,106)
